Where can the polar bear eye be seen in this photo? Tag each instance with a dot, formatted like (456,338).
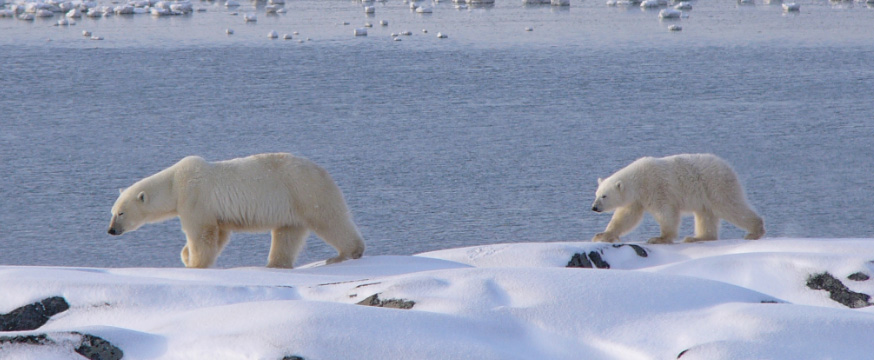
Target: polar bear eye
(603,196)
(120,214)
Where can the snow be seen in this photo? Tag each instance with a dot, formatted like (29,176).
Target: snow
(728,299)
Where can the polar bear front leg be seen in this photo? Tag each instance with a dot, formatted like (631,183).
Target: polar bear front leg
(203,247)
(624,220)
(669,222)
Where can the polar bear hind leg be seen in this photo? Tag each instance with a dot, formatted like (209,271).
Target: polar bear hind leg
(344,238)
(741,215)
(706,226)
(286,244)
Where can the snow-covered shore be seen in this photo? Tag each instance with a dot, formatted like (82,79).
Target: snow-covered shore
(730,299)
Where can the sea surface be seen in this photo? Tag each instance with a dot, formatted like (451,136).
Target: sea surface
(492,134)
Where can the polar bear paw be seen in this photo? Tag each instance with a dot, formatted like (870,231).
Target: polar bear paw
(691,239)
(660,240)
(605,237)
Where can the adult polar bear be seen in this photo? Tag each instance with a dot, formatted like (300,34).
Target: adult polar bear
(666,187)
(279,192)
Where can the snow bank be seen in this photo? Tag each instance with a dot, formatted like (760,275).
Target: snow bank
(717,300)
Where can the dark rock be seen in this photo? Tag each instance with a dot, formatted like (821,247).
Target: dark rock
(95,348)
(639,250)
(33,316)
(838,291)
(373,300)
(90,346)
(596,259)
(858,276)
(40,339)
(579,261)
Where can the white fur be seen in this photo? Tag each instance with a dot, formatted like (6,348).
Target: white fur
(281,193)
(702,184)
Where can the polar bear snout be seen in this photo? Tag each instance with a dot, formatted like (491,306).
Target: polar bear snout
(114,227)
(596,206)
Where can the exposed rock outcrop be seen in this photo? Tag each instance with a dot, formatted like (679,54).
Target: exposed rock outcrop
(838,291)
(33,316)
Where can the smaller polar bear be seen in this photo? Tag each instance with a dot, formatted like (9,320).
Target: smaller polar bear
(281,193)
(702,184)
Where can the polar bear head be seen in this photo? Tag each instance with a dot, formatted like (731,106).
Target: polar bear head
(128,213)
(147,201)
(611,194)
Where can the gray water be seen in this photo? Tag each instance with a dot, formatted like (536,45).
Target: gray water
(495,134)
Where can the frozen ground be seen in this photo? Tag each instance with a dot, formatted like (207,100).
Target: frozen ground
(729,299)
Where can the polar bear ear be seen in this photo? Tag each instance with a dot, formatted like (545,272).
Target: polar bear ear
(141,196)
(619,185)
(120,190)
(600,180)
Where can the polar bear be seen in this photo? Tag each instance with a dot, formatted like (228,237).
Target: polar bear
(281,193)
(702,184)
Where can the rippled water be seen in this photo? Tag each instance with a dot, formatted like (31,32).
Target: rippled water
(495,134)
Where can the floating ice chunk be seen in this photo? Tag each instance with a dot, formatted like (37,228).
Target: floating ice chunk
(397,39)
(232,3)
(406,33)
(272,34)
(441,35)
(461,7)
(271,9)
(791,6)
(528,28)
(414,6)
(43,13)
(383,23)
(25,16)
(276,2)
(684,5)
(675,27)
(184,7)
(670,14)
(97,38)
(286,36)
(124,10)
(86,33)
(63,22)
(424,10)
(229,31)
(560,3)
(144,10)
(360,32)
(250,18)
(369,9)
(650,4)
(424,31)
(295,33)
(6,13)
(157,11)
(281,10)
